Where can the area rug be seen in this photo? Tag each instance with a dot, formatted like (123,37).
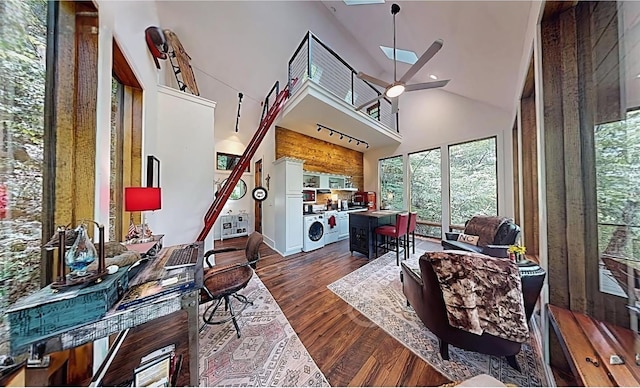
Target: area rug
(375,290)
(268,353)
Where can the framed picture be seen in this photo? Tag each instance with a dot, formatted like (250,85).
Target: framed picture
(227,162)
(153,171)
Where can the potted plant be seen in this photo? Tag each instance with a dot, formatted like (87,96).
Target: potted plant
(516,252)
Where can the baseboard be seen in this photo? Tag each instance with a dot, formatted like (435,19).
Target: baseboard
(537,336)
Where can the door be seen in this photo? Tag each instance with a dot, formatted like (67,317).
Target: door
(257,207)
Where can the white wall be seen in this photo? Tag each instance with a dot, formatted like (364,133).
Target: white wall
(245,46)
(125,22)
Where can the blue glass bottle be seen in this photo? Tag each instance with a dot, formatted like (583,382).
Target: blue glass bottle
(81,254)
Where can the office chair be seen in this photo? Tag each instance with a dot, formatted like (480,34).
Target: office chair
(221,282)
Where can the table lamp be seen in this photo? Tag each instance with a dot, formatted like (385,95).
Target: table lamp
(141,199)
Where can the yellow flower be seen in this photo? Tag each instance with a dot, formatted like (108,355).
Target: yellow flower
(517,249)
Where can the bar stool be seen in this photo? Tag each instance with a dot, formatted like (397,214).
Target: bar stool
(396,232)
(411,230)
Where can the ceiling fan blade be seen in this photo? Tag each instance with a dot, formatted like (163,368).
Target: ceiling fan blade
(373,80)
(431,51)
(370,102)
(394,105)
(426,85)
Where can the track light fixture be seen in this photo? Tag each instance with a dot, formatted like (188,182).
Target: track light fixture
(342,135)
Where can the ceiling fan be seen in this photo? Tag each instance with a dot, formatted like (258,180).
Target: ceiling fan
(397,87)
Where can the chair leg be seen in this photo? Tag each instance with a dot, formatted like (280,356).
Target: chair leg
(397,251)
(413,241)
(233,316)
(444,349)
(511,360)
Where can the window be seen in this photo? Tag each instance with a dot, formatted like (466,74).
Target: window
(426,191)
(126,142)
(23,27)
(391,183)
(227,162)
(617,147)
(115,174)
(473,180)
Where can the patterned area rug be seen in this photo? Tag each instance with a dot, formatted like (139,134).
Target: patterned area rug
(268,353)
(375,291)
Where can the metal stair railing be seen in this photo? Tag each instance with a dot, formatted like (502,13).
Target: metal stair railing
(227,188)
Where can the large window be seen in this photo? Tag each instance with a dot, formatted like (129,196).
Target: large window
(426,191)
(22,85)
(473,180)
(391,183)
(618,188)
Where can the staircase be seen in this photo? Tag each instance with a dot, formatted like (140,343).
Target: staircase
(227,188)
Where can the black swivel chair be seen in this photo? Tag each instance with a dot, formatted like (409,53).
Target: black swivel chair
(221,282)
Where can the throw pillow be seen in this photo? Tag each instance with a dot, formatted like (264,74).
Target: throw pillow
(468,238)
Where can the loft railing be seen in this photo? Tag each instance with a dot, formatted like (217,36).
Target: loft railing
(314,60)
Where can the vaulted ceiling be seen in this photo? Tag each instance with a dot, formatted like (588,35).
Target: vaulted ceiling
(245,46)
(483,42)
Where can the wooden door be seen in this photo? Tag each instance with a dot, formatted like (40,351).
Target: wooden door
(257,207)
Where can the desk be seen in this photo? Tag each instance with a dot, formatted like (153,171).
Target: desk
(362,225)
(157,312)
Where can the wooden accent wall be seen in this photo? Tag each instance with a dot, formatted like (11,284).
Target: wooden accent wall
(575,44)
(531,221)
(321,156)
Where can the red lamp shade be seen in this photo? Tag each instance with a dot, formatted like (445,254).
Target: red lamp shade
(138,199)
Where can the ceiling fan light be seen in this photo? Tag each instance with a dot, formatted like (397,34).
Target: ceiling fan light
(394,91)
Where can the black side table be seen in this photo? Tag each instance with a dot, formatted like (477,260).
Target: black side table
(532,278)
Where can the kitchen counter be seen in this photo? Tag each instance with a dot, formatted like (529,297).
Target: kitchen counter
(362,225)
(355,209)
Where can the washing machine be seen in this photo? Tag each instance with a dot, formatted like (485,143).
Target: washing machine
(313,232)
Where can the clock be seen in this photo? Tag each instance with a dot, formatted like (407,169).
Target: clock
(259,193)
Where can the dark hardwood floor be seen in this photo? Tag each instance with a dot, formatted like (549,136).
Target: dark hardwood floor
(349,349)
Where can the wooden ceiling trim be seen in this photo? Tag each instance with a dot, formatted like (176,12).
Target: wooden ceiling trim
(552,9)
(121,69)
(529,88)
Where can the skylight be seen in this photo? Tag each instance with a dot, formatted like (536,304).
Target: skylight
(362,2)
(401,55)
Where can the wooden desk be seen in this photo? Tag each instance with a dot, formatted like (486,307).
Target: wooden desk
(165,317)
(362,225)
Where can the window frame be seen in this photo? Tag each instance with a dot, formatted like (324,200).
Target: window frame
(497,169)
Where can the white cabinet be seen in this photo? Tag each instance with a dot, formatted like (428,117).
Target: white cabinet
(321,180)
(343,225)
(293,176)
(234,225)
(286,188)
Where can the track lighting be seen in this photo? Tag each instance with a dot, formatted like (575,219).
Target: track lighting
(342,135)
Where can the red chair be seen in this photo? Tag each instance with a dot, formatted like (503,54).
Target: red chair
(397,232)
(411,230)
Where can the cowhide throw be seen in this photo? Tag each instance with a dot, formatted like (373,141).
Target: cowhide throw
(485,227)
(481,293)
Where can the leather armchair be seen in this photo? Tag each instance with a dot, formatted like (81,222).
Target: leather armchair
(423,293)
(507,234)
